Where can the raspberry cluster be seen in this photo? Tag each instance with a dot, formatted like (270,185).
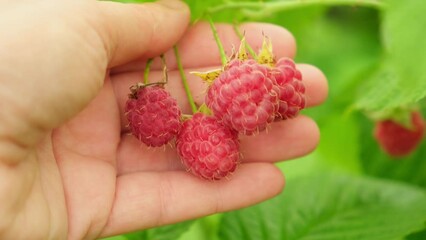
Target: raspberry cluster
(243,97)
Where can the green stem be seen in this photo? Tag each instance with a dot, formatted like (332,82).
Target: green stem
(238,32)
(146,71)
(266,8)
(218,42)
(184,81)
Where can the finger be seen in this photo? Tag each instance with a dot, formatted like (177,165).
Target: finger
(316,84)
(207,54)
(145,200)
(130,30)
(313,78)
(283,140)
(198,48)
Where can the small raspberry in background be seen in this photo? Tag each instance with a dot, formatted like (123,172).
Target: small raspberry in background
(399,140)
(207,148)
(153,114)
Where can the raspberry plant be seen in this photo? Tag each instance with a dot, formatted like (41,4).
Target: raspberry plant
(349,188)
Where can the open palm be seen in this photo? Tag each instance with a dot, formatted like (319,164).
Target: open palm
(69,168)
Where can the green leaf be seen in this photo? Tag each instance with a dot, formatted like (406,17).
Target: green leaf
(417,235)
(333,208)
(204,228)
(401,80)
(168,232)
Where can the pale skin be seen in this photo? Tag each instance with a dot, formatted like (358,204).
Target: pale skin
(68,167)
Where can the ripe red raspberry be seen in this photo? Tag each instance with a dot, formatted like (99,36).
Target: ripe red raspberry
(243,96)
(207,148)
(398,140)
(291,88)
(153,115)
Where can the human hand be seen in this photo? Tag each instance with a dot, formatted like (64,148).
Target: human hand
(68,168)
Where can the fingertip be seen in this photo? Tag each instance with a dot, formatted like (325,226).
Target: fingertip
(289,139)
(315,134)
(277,180)
(248,179)
(316,84)
(309,137)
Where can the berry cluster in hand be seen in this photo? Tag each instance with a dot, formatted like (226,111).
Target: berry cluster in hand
(243,97)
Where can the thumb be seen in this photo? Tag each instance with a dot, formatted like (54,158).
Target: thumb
(57,77)
(130,30)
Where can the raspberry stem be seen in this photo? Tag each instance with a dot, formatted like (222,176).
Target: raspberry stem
(262,9)
(218,42)
(184,81)
(146,71)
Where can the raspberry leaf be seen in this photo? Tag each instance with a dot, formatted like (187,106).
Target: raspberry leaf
(332,207)
(401,79)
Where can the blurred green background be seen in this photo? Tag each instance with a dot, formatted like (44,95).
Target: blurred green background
(374,56)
